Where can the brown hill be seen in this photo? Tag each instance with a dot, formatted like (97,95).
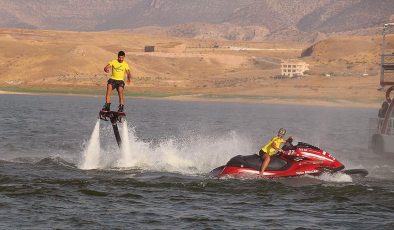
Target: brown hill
(348,52)
(363,49)
(53,59)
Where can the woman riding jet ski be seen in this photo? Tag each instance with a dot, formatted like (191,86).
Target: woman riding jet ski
(295,160)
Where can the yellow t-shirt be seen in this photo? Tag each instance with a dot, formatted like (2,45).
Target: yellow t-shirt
(118,69)
(268,147)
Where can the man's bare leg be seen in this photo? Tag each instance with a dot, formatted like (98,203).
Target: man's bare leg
(108,94)
(121,96)
(121,99)
(107,105)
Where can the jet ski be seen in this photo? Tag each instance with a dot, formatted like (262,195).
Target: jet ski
(296,160)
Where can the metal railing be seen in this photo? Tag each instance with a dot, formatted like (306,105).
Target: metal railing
(387,57)
(375,125)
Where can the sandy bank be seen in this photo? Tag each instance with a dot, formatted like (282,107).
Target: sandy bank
(225,98)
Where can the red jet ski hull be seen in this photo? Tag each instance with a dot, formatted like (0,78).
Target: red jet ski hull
(303,159)
(292,171)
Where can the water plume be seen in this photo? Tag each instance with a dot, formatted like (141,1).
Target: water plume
(126,159)
(91,155)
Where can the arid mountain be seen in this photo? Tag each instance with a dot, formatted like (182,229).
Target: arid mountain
(44,59)
(223,31)
(301,20)
(343,16)
(113,14)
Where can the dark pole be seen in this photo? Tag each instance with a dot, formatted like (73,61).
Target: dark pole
(116,130)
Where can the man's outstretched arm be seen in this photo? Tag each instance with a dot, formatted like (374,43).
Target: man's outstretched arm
(128,76)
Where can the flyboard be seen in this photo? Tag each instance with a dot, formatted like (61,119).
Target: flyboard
(114,117)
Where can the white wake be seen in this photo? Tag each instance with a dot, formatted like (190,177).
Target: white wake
(188,155)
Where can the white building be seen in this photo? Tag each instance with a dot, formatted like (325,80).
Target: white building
(293,68)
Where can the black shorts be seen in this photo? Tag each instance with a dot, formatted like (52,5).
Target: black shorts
(261,154)
(116,83)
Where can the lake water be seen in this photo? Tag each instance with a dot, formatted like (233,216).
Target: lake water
(163,184)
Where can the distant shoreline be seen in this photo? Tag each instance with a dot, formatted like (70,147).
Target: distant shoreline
(343,103)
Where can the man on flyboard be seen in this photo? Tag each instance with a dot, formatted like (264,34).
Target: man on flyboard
(119,67)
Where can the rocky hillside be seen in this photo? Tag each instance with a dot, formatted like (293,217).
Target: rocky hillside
(301,20)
